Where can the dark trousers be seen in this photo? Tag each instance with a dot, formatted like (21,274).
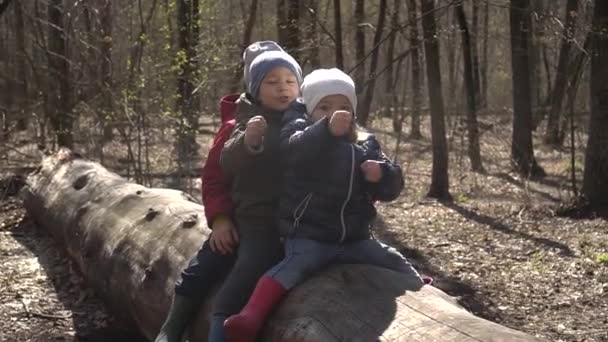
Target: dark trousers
(259,249)
(204,270)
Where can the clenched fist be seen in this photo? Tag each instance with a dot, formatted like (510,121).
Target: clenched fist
(340,123)
(372,170)
(255,130)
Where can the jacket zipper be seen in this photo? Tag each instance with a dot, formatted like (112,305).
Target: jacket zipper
(300,210)
(350,191)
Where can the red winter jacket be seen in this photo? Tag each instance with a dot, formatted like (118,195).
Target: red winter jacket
(217,185)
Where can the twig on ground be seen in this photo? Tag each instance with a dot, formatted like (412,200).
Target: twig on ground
(30,313)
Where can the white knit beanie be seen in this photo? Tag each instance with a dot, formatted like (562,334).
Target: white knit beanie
(324,82)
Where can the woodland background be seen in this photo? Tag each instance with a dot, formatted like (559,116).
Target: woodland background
(497,111)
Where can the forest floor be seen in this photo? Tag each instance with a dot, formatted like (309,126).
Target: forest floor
(499,246)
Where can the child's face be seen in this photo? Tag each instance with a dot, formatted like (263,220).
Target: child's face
(329,104)
(278,89)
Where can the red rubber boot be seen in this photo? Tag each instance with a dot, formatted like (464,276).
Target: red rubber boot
(244,326)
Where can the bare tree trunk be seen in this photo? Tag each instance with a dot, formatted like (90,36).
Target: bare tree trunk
(359,46)
(469,79)
(281,21)
(389,86)
(451,57)
(59,86)
(86,209)
(522,153)
(484,65)
(553,133)
(289,26)
(238,74)
(105,48)
(7,82)
(416,69)
(313,35)
(440,184)
(363,114)
(536,33)
(595,178)
(473,36)
(187,102)
(21,83)
(4,5)
(338,35)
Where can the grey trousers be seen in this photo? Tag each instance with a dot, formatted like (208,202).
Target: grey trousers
(303,257)
(259,249)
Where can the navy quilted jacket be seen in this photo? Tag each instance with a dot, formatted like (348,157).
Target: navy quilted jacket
(325,195)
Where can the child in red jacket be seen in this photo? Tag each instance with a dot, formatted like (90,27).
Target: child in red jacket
(216,256)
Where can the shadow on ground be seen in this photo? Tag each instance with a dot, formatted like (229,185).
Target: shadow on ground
(87,313)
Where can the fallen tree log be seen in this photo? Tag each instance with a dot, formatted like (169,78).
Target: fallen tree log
(130,243)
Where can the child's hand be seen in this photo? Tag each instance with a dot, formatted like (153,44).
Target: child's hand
(255,130)
(224,237)
(340,123)
(372,170)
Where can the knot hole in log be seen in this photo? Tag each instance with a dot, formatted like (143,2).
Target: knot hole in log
(81,182)
(190,221)
(151,214)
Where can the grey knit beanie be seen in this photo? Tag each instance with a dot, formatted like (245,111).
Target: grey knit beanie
(254,50)
(267,61)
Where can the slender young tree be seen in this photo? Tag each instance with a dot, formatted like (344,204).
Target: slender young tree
(187,102)
(471,90)
(238,74)
(595,178)
(416,70)
(59,80)
(553,134)
(363,114)
(338,35)
(288,25)
(105,49)
(522,153)
(484,61)
(389,86)
(313,34)
(359,45)
(473,38)
(22,79)
(439,181)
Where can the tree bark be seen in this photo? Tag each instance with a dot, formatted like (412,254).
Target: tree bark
(187,102)
(473,38)
(59,80)
(105,49)
(130,243)
(288,25)
(238,74)
(359,46)
(4,5)
(553,133)
(484,63)
(472,91)
(522,153)
(363,114)
(338,35)
(416,68)
(595,178)
(440,182)
(389,85)
(313,35)
(22,79)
